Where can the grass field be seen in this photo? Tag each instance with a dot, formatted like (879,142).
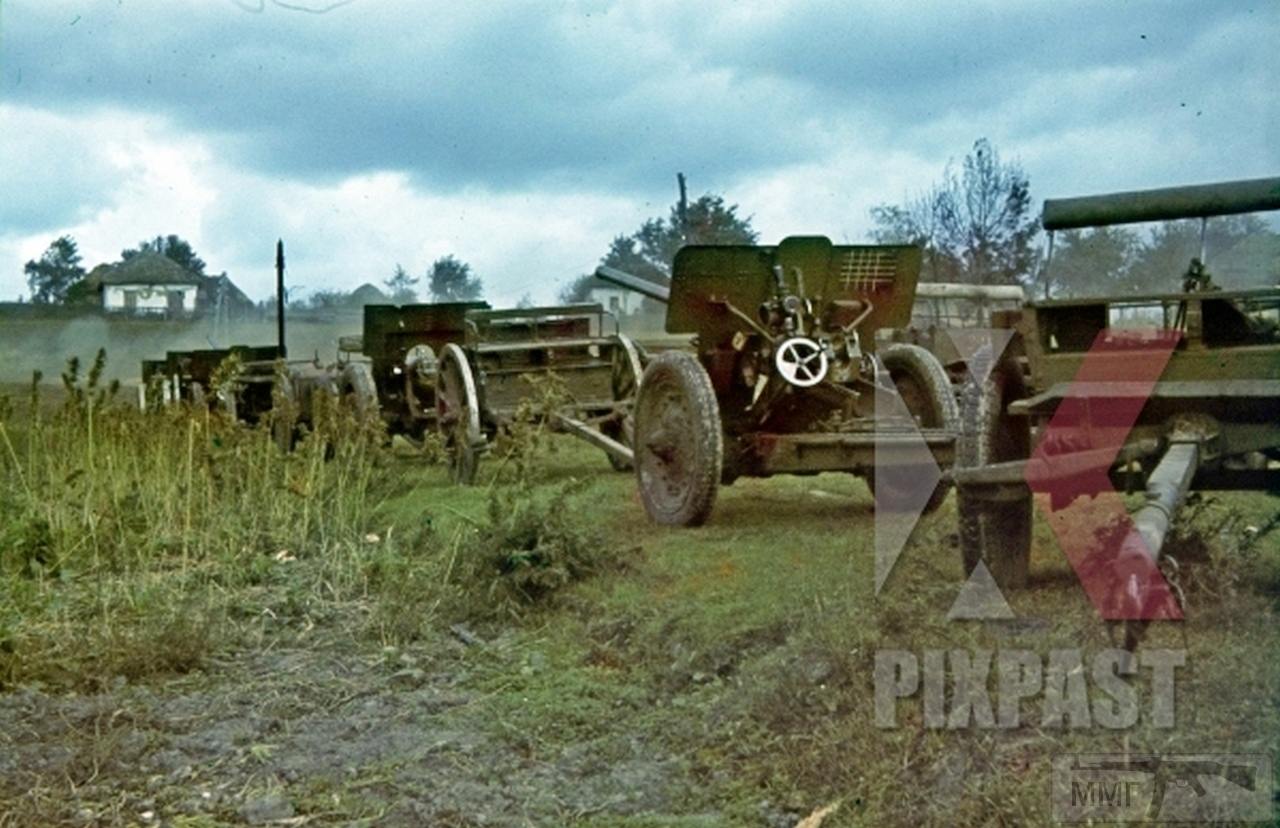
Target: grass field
(198,630)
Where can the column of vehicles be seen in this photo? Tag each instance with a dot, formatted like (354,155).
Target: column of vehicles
(806,357)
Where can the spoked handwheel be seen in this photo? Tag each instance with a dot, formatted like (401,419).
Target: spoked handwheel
(679,447)
(626,380)
(458,414)
(926,393)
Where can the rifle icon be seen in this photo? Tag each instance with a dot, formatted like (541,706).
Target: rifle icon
(1181,772)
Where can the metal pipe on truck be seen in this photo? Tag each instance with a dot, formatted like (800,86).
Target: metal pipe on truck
(1167,203)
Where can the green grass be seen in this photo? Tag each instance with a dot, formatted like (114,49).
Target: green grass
(745,648)
(737,656)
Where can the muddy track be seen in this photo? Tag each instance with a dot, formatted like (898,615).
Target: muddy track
(308,736)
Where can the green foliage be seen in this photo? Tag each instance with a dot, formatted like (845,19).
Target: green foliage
(451,280)
(1092,262)
(324,300)
(1241,252)
(976,225)
(534,545)
(56,273)
(172,247)
(401,286)
(123,533)
(650,250)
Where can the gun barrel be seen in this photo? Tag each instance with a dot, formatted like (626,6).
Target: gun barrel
(1167,487)
(631,282)
(1198,201)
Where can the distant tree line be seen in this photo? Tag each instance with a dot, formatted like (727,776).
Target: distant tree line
(977,226)
(448,280)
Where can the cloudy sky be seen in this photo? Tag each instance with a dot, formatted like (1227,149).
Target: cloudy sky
(522,137)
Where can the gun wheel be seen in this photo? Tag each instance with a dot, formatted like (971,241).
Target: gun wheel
(626,379)
(926,392)
(358,388)
(458,414)
(995,526)
(679,447)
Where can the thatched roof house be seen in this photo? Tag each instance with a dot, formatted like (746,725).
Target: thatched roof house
(147,283)
(367,294)
(150,283)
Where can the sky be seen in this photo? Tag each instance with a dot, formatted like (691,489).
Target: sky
(522,137)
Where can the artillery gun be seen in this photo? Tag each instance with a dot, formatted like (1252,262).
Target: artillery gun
(486,381)
(1195,371)
(254,376)
(942,308)
(786,377)
(401,345)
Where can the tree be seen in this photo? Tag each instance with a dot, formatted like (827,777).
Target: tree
(976,225)
(450,280)
(579,290)
(1235,252)
(650,250)
(400,286)
(324,299)
(55,273)
(172,247)
(1092,262)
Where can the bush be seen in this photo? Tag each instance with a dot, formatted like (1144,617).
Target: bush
(529,548)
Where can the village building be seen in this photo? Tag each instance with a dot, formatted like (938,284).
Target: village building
(617,300)
(151,284)
(147,284)
(367,294)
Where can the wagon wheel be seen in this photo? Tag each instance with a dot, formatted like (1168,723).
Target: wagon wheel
(625,380)
(994,528)
(679,446)
(926,392)
(458,414)
(358,388)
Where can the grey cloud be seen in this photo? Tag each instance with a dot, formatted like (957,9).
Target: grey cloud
(914,67)
(48,180)
(516,97)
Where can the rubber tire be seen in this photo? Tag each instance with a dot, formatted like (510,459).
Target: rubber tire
(676,378)
(902,359)
(996,532)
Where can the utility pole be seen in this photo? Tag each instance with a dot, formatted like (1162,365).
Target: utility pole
(683,208)
(280,298)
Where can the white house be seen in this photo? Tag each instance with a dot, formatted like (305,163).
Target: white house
(148,284)
(616,300)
